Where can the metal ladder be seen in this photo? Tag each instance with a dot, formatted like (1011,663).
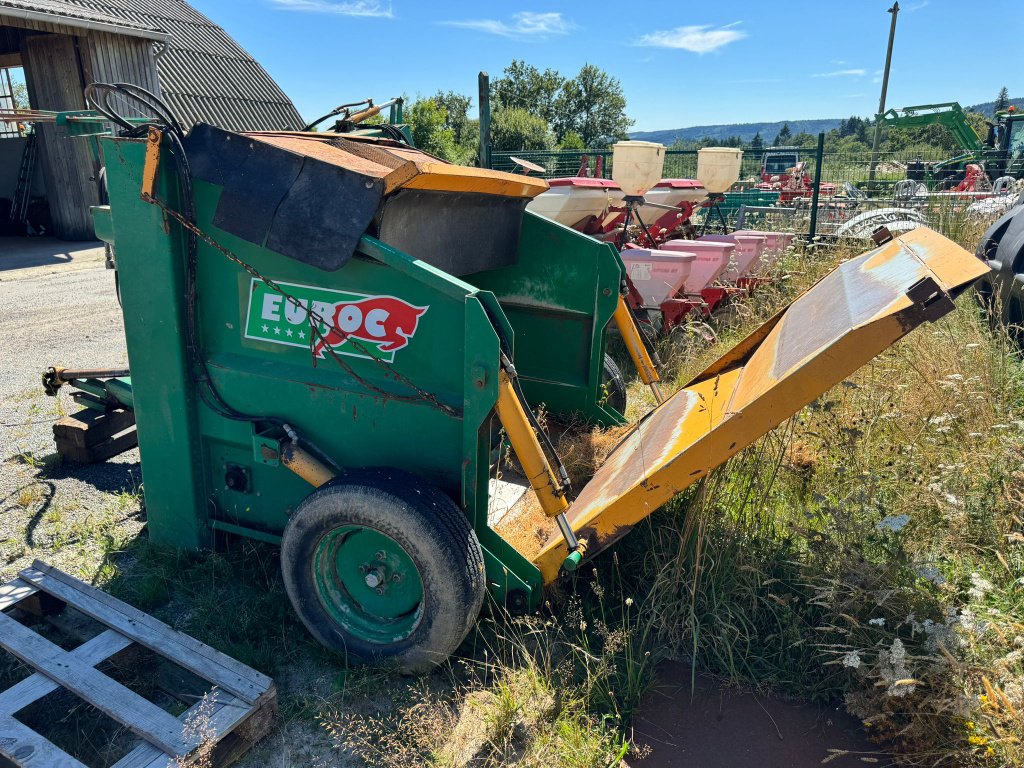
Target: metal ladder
(23,190)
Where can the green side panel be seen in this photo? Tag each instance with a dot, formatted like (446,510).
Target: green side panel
(384,404)
(102,223)
(415,388)
(559,298)
(166,412)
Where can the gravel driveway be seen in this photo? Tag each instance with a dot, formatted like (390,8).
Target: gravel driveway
(62,311)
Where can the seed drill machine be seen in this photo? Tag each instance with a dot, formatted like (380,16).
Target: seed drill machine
(327,333)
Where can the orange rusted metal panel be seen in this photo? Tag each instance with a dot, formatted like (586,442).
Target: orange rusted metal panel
(853,314)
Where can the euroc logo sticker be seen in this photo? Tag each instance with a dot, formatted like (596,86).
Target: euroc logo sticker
(354,324)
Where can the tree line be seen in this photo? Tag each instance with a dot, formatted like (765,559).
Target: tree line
(855,135)
(545,110)
(530,110)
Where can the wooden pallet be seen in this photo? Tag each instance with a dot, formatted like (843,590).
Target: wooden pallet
(91,435)
(244,701)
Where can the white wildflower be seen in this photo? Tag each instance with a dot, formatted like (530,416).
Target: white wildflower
(852,660)
(979,586)
(877,622)
(893,523)
(932,574)
(894,669)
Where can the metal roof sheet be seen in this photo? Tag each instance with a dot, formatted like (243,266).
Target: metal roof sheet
(205,76)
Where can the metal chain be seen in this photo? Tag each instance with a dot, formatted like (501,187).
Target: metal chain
(315,320)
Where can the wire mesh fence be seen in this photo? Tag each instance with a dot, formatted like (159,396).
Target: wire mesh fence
(821,194)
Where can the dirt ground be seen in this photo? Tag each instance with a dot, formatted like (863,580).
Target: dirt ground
(690,721)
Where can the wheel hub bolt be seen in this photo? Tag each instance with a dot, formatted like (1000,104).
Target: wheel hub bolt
(374,579)
(396,578)
(380,555)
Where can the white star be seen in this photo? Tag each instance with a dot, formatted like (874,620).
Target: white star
(265,328)
(289,332)
(277,330)
(302,334)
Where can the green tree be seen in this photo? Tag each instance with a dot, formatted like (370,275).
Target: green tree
(593,105)
(427,119)
(523,86)
(802,139)
(456,106)
(572,140)
(784,136)
(514,129)
(757,142)
(20,95)
(432,130)
(1002,100)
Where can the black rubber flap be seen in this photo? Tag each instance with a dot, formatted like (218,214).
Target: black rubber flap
(303,208)
(457,232)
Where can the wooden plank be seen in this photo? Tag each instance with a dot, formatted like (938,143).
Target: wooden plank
(101,451)
(31,689)
(125,706)
(89,427)
(13,593)
(27,749)
(210,664)
(227,713)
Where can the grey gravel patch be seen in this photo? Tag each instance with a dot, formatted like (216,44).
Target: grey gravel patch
(48,508)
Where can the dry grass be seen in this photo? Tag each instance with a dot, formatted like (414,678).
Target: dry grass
(871,548)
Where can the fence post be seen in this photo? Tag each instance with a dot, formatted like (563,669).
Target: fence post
(816,190)
(484,84)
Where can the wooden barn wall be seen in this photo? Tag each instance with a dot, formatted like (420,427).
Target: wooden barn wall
(120,59)
(54,79)
(57,69)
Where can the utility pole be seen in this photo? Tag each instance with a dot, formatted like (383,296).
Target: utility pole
(895,11)
(484,86)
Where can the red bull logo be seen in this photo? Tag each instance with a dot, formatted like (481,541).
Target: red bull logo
(348,323)
(382,320)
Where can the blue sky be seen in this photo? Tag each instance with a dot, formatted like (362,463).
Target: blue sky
(680,64)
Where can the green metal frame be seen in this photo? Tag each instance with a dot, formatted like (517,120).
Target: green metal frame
(188,449)
(567,283)
(952,116)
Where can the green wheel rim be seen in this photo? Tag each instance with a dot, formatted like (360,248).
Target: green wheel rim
(368,584)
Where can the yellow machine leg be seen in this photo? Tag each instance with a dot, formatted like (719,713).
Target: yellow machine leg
(635,345)
(538,470)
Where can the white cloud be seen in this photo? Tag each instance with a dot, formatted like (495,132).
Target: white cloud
(842,73)
(366,8)
(523,25)
(915,7)
(697,39)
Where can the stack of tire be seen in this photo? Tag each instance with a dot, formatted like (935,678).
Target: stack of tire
(1002,290)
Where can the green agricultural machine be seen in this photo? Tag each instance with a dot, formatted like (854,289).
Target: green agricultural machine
(332,339)
(1001,152)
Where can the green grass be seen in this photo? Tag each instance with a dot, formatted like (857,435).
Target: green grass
(869,550)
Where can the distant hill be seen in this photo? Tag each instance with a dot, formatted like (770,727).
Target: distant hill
(768,131)
(746,131)
(988,108)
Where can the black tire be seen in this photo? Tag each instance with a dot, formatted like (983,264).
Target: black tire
(614,385)
(432,531)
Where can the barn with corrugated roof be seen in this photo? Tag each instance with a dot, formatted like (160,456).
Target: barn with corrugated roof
(165,46)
